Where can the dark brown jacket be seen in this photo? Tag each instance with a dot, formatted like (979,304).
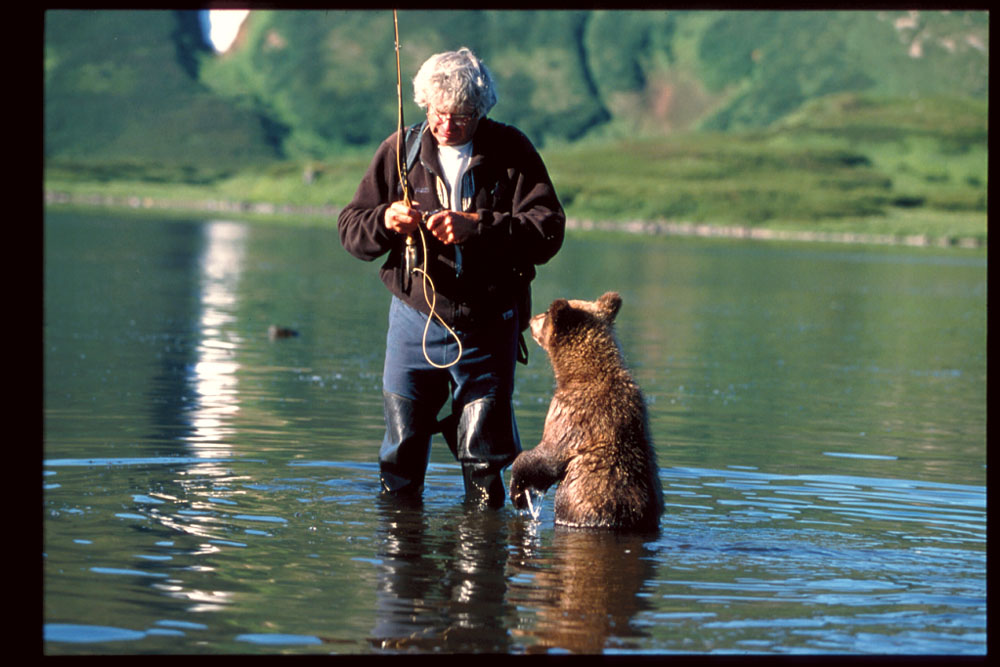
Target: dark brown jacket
(521,224)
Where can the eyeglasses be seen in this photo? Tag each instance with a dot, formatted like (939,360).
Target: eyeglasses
(459,119)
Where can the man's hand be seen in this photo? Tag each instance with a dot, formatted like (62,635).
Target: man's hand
(452,226)
(401,218)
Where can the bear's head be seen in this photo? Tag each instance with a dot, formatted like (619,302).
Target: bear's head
(573,326)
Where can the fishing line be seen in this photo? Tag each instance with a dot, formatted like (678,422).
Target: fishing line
(410,263)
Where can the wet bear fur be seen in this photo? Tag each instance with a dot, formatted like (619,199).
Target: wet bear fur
(596,443)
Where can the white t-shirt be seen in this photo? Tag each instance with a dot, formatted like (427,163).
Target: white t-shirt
(454,162)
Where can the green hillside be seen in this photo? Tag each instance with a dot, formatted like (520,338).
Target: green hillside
(330,76)
(310,83)
(122,87)
(863,119)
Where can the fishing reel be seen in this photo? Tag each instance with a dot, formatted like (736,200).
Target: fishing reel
(411,254)
(424,217)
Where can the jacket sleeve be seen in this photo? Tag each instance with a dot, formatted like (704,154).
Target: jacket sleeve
(361,224)
(533,228)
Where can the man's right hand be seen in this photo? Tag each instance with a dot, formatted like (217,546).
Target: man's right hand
(402,218)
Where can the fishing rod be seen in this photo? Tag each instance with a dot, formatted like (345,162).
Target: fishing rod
(411,266)
(400,166)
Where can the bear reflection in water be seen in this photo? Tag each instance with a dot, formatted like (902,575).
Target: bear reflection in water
(585,590)
(596,443)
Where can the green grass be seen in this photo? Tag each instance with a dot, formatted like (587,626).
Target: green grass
(845,165)
(331,183)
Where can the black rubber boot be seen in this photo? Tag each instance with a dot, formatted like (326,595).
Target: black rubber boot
(483,484)
(406,447)
(486,442)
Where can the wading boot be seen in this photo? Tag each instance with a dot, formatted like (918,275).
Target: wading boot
(486,442)
(406,447)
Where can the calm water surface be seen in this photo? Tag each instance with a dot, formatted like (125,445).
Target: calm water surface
(819,413)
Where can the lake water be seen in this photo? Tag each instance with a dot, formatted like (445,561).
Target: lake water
(819,413)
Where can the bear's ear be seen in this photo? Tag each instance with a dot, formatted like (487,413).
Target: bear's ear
(561,312)
(558,305)
(609,305)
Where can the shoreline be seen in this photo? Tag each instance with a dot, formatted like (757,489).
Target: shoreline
(649,228)
(704,230)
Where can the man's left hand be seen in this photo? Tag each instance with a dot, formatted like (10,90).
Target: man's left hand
(452,226)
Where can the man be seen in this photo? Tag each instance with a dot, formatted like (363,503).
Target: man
(483,213)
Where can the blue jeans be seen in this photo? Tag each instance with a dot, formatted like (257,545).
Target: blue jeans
(481,430)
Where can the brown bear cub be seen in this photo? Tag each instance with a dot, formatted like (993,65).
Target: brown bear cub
(596,442)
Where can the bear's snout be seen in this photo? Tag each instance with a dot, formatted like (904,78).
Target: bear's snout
(537,324)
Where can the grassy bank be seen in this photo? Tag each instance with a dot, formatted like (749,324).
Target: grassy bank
(842,168)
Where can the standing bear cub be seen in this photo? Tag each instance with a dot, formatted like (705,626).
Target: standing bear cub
(596,441)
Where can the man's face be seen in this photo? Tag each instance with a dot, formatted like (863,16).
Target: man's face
(452,129)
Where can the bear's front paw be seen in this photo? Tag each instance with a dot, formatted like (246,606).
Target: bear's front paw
(518,495)
(519,500)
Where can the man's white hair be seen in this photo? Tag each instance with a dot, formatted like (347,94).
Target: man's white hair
(455,81)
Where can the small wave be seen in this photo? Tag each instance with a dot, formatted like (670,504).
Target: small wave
(88,634)
(279,639)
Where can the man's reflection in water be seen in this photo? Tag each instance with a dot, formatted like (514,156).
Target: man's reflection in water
(585,589)
(440,587)
(464,580)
